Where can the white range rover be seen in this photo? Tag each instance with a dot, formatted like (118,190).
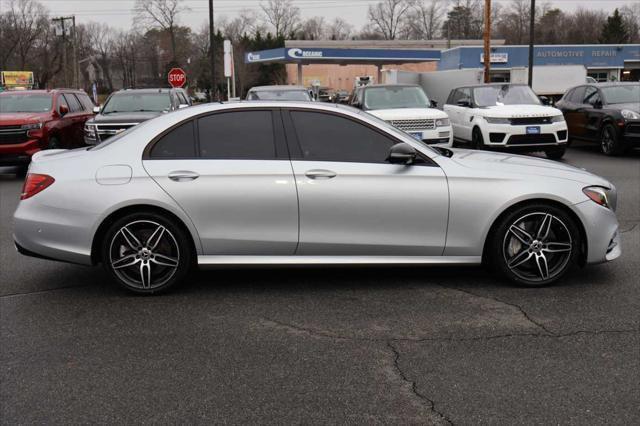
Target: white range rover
(406,107)
(508,116)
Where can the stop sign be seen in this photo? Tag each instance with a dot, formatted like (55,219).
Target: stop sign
(177,77)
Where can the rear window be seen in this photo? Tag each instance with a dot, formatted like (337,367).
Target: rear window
(25,102)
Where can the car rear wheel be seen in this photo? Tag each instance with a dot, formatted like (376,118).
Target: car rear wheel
(146,253)
(555,153)
(535,245)
(609,141)
(477,141)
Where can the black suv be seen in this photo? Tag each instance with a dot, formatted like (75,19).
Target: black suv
(126,108)
(607,113)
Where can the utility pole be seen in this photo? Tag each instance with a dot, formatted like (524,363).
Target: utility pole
(487,41)
(76,81)
(64,48)
(531,40)
(212,55)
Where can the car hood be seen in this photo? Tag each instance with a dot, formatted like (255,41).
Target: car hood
(408,113)
(500,162)
(635,107)
(15,118)
(124,117)
(519,111)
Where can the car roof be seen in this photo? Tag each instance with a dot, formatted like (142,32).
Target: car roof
(475,86)
(613,84)
(373,86)
(44,92)
(156,90)
(277,87)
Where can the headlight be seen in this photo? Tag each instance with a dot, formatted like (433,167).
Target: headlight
(557,119)
(32,126)
(90,131)
(604,196)
(630,115)
(442,122)
(493,120)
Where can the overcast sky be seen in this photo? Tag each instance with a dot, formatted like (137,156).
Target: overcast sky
(117,13)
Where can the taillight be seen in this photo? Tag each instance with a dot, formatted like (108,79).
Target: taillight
(35,183)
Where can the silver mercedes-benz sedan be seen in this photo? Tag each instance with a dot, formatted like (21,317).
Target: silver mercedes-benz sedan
(273,183)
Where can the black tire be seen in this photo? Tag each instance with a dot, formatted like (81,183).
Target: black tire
(521,254)
(146,253)
(54,143)
(477,141)
(610,143)
(555,153)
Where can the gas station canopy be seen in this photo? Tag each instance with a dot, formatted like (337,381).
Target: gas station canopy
(304,56)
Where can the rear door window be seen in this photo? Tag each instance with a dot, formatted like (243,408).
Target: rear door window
(73,102)
(177,143)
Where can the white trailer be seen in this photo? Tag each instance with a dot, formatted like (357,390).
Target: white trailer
(551,80)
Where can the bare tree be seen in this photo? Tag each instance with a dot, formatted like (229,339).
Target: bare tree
(282,15)
(584,26)
(246,23)
(425,19)
(388,16)
(27,19)
(162,14)
(339,29)
(313,29)
(631,18)
(101,39)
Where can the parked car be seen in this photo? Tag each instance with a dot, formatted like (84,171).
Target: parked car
(278,93)
(506,116)
(129,107)
(406,107)
(306,183)
(34,120)
(605,113)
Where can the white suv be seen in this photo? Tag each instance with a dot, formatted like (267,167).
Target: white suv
(506,116)
(406,107)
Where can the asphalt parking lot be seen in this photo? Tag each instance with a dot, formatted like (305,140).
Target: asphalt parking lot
(334,345)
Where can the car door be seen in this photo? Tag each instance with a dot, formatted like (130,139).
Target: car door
(230,172)
(466,115)
(593,113)
(453,110)
(64,125)
(76,117)
(577,116)
(352,201)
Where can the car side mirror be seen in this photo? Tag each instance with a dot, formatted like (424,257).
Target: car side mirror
(96,110)
(402,153)
(597,104)
(63,110)
(466,103)
(434,104)
(545,100)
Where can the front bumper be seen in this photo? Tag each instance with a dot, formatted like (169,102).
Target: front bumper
(601,229)
(631,133)
(19,154)
(432,136)
(518,136)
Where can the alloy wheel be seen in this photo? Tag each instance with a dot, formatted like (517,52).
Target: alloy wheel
(537,247)
(607,142)
(144,254)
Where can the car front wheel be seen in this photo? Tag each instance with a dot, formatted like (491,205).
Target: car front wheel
(555,153)
(610,143)
(146,253)
(477,140)
(535,245)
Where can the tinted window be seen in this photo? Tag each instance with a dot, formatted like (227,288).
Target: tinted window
(578,95)
(62,101)
(327,137)
(178,143)
(73,102)
(85,101)
(182,99)
(241,135)
(591,95)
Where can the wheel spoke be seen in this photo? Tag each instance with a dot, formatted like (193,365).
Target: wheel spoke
(543,267)
(128,260)
(519,259)
(131,239)
(154,239)
(545,227)
(557,247)
(161,259)
(145,274)
(521,234)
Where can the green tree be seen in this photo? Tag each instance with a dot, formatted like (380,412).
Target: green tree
(614,31)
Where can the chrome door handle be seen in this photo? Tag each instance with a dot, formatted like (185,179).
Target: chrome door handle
(183,176)
(320,174)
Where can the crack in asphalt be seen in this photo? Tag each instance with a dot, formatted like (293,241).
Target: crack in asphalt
(48,290)
(413,386)
(624,231)
(513,305)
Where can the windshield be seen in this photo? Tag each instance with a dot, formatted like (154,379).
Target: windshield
(133,102)
(627,94)
(504,95)
(279,95)
(24,102)
(395,97)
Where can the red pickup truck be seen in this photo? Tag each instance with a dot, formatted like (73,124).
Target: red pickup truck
(34,120)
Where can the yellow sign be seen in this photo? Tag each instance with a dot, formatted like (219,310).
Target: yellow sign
(17,78)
